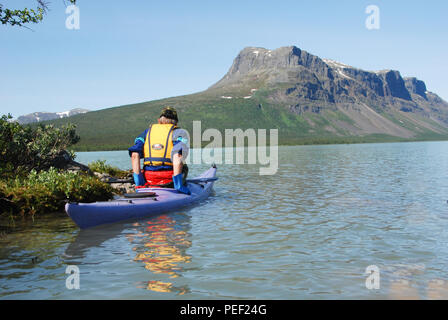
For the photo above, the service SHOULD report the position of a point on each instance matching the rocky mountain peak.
(45, 116)
(416, 86)
(394, 85)
(306, 83)
(255, 60)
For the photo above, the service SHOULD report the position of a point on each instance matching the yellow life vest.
(158, 145)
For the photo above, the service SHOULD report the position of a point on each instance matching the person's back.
(163, 148)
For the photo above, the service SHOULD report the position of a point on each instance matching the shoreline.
(335, 143)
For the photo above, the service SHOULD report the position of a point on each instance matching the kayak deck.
(87, 215)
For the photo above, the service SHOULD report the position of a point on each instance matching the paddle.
(202, 180)
(196, 180)
(115, 180)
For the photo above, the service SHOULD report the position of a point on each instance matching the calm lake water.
(308, 232)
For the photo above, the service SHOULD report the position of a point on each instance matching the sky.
(140, 50)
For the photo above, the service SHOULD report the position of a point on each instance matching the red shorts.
(157, 178)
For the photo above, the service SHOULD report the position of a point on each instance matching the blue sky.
(134, 51)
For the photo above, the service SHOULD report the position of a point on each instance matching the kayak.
(159, 200)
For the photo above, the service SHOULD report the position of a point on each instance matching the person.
(163, 148)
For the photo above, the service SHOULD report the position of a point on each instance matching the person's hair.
(164, 120)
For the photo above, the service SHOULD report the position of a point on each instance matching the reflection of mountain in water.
(161, 245)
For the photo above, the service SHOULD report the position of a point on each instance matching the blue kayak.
(87, 215)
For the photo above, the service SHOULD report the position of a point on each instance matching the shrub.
(48, 191)
(100, 166)
(23, 148)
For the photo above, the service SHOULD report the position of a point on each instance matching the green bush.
(100, 166)
(48, 191)
(28, 182)
(24, 148)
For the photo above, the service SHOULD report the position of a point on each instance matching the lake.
(308, 232)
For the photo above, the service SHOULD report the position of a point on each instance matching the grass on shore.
(48, 191)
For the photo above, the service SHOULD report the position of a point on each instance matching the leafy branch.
(21, 17)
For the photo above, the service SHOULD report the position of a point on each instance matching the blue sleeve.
(180, 138)
(139, 144)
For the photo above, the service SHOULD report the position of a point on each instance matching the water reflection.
(91, 238)
(161, 244)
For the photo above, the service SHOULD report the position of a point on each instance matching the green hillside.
(116, 128)
(308, 99)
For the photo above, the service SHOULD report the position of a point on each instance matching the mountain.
(44, 116)
(381, 102)
(309, 99)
